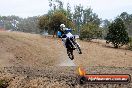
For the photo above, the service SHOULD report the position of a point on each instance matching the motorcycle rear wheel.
(70, 54)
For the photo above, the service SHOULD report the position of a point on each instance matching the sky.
(106, 9)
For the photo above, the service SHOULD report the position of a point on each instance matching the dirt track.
(57, 77)
(36, 50)
(36, 61)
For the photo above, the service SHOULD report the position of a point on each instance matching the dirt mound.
(24, 49)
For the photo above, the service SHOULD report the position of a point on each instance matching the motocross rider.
(64, 33)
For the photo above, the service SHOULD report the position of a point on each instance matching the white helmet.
(62, 26)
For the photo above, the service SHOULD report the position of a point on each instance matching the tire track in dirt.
(64, 60)
(67, 62)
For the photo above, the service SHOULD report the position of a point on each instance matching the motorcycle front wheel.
(78, 48)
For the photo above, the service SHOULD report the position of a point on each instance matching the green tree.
(57, 19)
(90, 31)
(43, 23)
(55, 4)
(117, 33)
(130, 43)
(80, 17)
(83, 17)
(77, 17)
(105, 24)
(89, 16)
(9, 22)
(60, 4)
(52, 23)
(28, 25)
(69, 14)
(127, 18)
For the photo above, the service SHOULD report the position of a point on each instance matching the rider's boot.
(80, 52)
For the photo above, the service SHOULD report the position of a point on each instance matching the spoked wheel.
(70, 54)
(78, 48)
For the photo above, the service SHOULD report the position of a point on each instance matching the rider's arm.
(59, 34)
(68, 30)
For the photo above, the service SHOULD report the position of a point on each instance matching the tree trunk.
(54, 33)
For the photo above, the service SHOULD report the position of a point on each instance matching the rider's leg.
(64, 42)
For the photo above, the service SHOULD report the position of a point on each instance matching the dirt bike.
(71, 44)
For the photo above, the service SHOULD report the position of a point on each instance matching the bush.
(86, 35)
(3, 84)
(90, 31)
(117, 33)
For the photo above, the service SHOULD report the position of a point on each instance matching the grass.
(3, 84)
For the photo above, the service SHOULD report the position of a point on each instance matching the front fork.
(75, 43)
